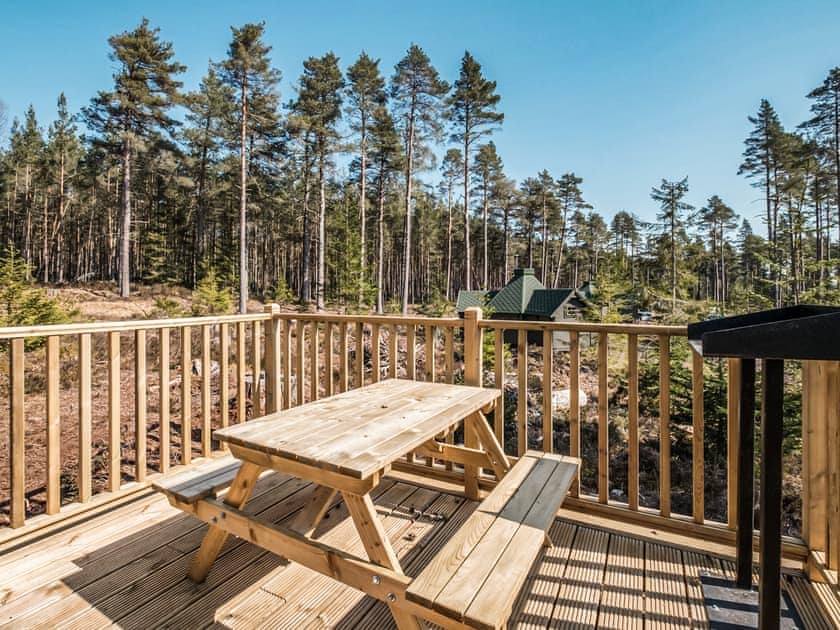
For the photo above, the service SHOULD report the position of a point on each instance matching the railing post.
(472, 347)
(17, 432)
(273, 381)
(733, 407)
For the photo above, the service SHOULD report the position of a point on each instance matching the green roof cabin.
(526, 298)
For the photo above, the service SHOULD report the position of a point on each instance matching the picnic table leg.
(501, 464)
(470, 470)
(236, 496)
(378, 547)
(307, 519)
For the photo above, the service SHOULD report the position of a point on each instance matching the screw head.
(392, 597)
(376, 579)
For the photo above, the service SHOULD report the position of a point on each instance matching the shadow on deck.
(127, 567)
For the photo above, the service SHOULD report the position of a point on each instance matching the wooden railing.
(213, 361)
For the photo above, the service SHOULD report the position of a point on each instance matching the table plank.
(359, 432)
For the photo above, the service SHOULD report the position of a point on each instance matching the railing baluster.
(140, 426)
(574, 404)
(163, 399)
(603, 421)
(343, 384)
(241, 369)
(410, 361)
(374, 352)
(17, 433)
(665, 425)
(429, 332)
(329, 343)
(84, 475)
(287, 364)
(697, 440)
(499, 411)
(449, 357)
(359, 365)
(314, 369)
(392, 350)
(522, 392)
(733, 406)
(633, 421)
(300, 365)
(224, 375)
(186, 395)
(54, 425)
(206, 408)
(256, 371)
(548, 376)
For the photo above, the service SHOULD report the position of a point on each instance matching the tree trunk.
(380, 254)
(306, 254)
(125, 238)
(486, 248)
(362, 214)
(243, 203)
(408, 173)
(322, 233)
(449, 244)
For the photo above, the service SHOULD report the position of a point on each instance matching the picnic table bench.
(345, 444)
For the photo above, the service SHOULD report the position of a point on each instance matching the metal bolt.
(224, 514)
(376, 579)
(392, 597)
(214, 519)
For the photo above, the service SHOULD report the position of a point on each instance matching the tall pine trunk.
(125, 237)
(243, 201)
(380, 254)
(322, 234)
(362, 214)
(449, 244)
(407, 246)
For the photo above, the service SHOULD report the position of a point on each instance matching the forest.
(370, 189)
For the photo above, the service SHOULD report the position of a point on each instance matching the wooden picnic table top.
(357, 433)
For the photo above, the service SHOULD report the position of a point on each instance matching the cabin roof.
(523, 295)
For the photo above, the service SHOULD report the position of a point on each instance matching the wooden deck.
(126, 567)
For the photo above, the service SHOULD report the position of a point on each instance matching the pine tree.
(365, 92)
(416, 90)
(472, 110)
(826, 124)
(569, 199)
(672, 209)
(762, 159)
(386, 160)
(452, 171)
(487, 173)
(718, 219)
(145, 88)
(248, 71)
(63, 154)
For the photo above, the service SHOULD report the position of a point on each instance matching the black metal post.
(746, 422)
(770, 511)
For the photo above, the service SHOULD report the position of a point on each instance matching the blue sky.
(622, 93)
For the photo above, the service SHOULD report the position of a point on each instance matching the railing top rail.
(447, 322)
(17, 332)
(637, 329)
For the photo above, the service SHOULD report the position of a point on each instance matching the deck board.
(127, 567)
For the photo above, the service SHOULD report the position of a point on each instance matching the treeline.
(336, 195)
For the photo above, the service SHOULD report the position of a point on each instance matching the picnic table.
(345, 444)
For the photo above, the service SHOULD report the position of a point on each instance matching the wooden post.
(665, 426)
(733, 406)
(53, 425)
(85, 424)
(206, 409)
(698, 438)
(256, 387)
(770, 511)
(186, 395)
(163, 409)
(472, 347)
(17, 507)
(522, 392)
(140, 427)
(746, 420)
(114, 441)
(574, 404)
(273, 384)
(603, 421)
(548, 376)
(633, 421)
